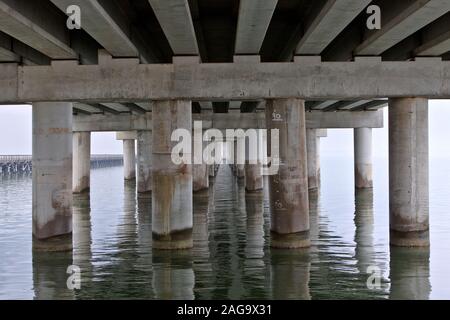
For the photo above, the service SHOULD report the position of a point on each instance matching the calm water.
(231, 257)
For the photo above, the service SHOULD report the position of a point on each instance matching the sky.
(15, 134)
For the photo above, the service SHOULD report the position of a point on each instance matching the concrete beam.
(253, 22)
(100, 25)
(111, 122)
(435, 38)
(344, 119)
(174, 16)
(331, 20)
(314, 120)
(36, 26)
(8, 56)
(412, 18)
(127, 80)
(126, 135)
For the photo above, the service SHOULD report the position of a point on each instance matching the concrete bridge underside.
(153, 66)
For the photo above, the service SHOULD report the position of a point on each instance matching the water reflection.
(231, 258)
(290, 270)
(364, 228)
(173, 275)
(82, 239)
(410, 273)
(50, 275)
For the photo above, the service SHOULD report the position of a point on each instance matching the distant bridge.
(23, 164)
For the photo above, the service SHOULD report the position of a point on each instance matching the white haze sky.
(15, 134)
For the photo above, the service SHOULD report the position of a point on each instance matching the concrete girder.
(331, 20)
(174, 16)
(25, 21)
(253, 22)
(101, 26)
(435, 38)
(111, 122)
(412, 18)
(314, 120)
(126, 80)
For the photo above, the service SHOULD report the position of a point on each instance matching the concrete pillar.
(253, 166)
(363, 157)
(200, 172)
(172, 194)
(52, 176)
(144, 154)
(239, 157)
(289, 187)
(313, 154)
(81, 162)
(212, 170)
(253, 177)
(129, 159)
(408, 172)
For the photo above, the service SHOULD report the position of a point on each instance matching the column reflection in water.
(173, 275)
(256, 276)
(203, 203)
(50, 275)
(290, 273)
(364, 228)
(410, 273)
(144, 242)
(82, 240)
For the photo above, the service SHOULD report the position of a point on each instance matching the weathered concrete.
(239, 157)
(314, 120)
(200, 176)
(415, 15)
(363, 157)
(253, 22)
(129, 159)
(175, 19)
(253, 177)
(289, 188)
(81, 162)
(127, 80)
(144, 157)
(112, 122)
(172, 204)
(313, 156)
(408, 172)
(35, 25)
(329, 22)
(200, 172)
(253, 165)
(99, 24)
(52, 176)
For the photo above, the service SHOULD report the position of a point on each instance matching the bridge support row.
(172, 216)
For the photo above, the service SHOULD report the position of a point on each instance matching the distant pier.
(14, 164)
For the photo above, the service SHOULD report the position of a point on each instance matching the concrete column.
(172, 194)
(313, 154)
(212, 170)
(144, 154)
(408, 172)
(129, 159)
(52, 176)
(253, 168)
(289, 187)
(200, 171)
(81, 162)
(239, 157)
(363, 157)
